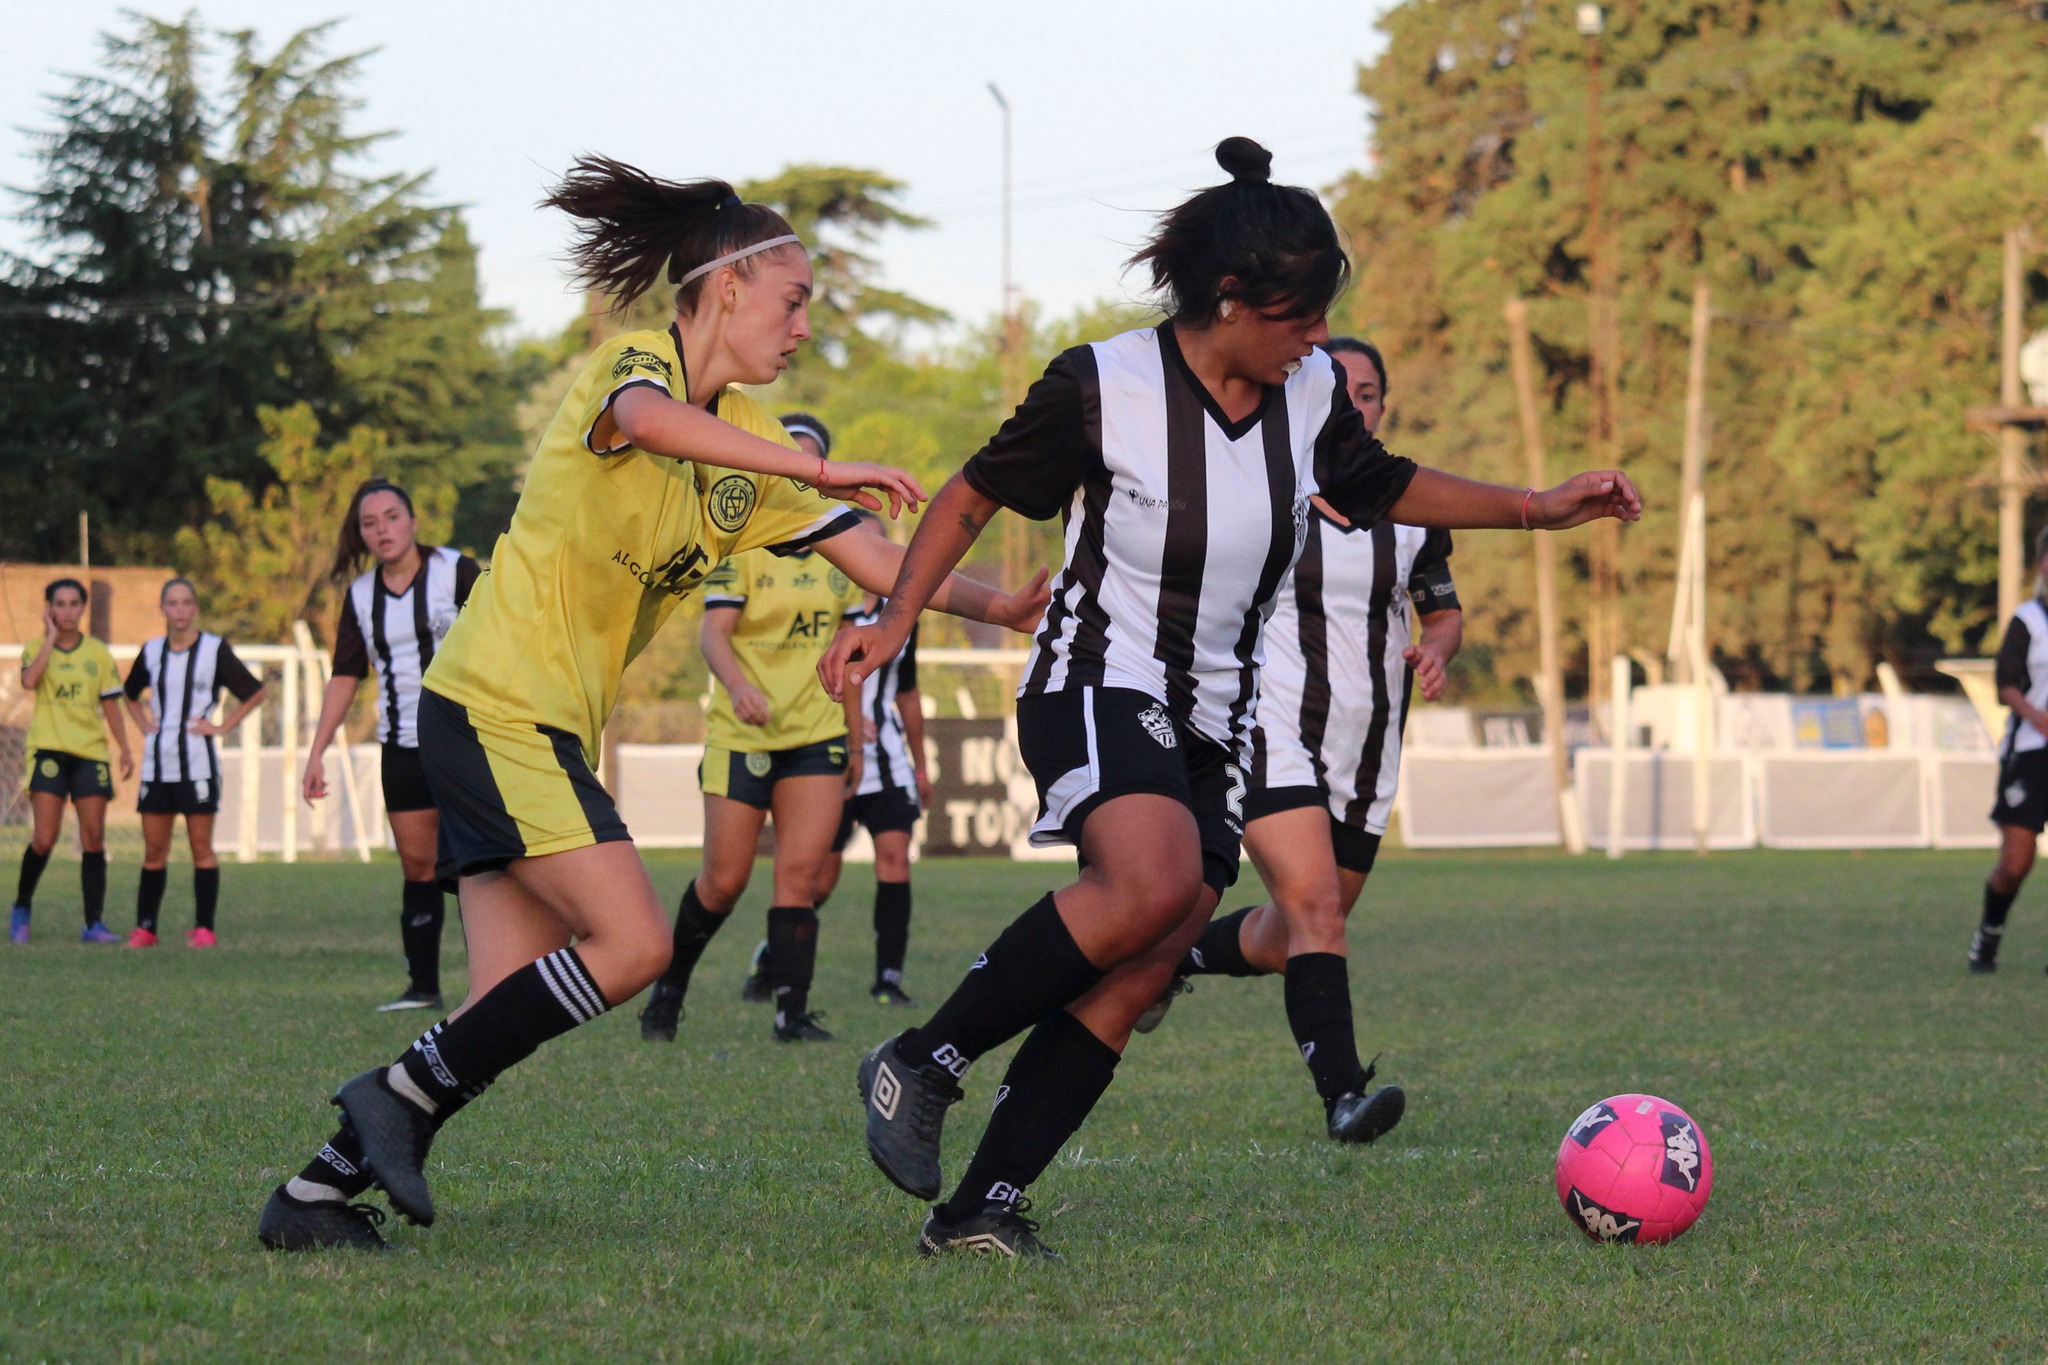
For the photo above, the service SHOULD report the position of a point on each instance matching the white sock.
(405, 1088)
(308, 1192)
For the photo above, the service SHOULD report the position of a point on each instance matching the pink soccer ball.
(1634, 1168)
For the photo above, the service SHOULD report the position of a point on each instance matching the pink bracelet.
(1527, 493)
(821, 482)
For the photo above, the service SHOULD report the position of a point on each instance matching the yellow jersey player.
(654, 468)
(772, 741)
(75, 684)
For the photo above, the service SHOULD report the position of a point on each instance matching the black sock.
(695, 927)
(454, 1060)
(1319, 1011)
(1053, 1082)
(1997, 905)
(419, 929)
(32, 865)
(1032, 969)
(149, 897)
(892, 931)
(340, 1164)
(1219, 951)
(92, 885)
(205, 896)
(792, 957)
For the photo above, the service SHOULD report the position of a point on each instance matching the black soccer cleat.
(661, 1014)
(1361, 1118)
(998, 1230)
(395, 1135)
(290, 1224)
(892, 994)
(757, 989)
(414, 1000)
(906, 1113)
(1155, 1013)
(804, 1028)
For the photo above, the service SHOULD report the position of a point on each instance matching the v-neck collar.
(410, 583)
(675, 335)
(1169, 343)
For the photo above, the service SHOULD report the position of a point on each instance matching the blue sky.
(1116, 106)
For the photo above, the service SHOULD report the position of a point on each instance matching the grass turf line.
(1876, 1117)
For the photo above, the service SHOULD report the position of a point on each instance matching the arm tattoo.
(970, 525)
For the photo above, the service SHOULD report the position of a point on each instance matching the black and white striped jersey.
(1180, 524)
(2023, 664)
(885, 762)
(183, 685)
(1334, 693)
(396, 633)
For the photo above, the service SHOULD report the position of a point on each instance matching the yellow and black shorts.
(72, 776)
(750, 778)
(508, 790)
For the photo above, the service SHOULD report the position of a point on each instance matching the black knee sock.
(792, 957)
(1319, 1011)
(205, 896)
(1997, 905)
(1052, 1084)
(32, 865)
(419, 929)
(695, 927)
(92, 886)
(1031, 970)
(454, 1060)
(339, 1165)
(1219, 951)
(149, 897)
(892, 931)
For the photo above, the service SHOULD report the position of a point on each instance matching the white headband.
(729, 257)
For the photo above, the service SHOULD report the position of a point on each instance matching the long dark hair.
(1338, 345)
(1275, 241)
(352, 549)
(632, 228)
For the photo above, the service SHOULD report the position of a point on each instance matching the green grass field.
(1877, 1117)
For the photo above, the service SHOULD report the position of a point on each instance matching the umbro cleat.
(201, 937)
(802, 1029)
(97, 933)
(17, 925)
(661, 1014)
(414, 1000)
(906, 1116)
(757, 989)
(1984, 952)
(395, 1135)
(998, 1230)
(1155, 1013)
(1361, 1118)
(139, 937)
(892, 994)
(290, 1224)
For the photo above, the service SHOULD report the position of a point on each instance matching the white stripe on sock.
(579, 980)
(572, 1007)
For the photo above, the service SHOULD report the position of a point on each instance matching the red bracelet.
(1527, 493)
(821, 479)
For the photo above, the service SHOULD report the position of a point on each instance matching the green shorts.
(750, 778)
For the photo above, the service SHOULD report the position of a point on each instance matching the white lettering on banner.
(978, 761)
(981, 824)
(958, 816)
(988, 824)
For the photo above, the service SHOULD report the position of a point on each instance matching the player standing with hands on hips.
(2021, 809)
(1182, 458)
(76, 686)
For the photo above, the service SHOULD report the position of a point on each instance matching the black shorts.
(750, 778)
(1357, 849)
(56, 773)
(891, 810)
(405, 781)
(2023, 791)
(200, 797)
(508, 790)
(1086, 745)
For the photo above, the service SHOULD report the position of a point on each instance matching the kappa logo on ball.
(731, 502)
(1587, 1126)
(1605, 1224)
(1159, 725)
(1681, 1152)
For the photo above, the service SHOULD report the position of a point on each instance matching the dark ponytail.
(1275, 241)
(352, 549)
(633, 229)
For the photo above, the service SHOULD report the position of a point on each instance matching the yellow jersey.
(604, 543)
(68, 698)
(790, 608)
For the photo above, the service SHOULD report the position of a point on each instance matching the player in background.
(1182, 457)
(393, 617)
(888, 788)
(773, 741)
(2021, 808)
(75, 683)
(1341, 659)
(183, 671)
(655, 467)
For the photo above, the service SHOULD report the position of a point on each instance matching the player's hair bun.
(1246, 160)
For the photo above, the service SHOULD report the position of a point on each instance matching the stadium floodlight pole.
(2012, 440)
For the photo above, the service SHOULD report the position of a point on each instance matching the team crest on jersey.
(1159, 725)
(759, 764)
(633, 358)
(1300, 518)
(838, 582)
(441, 624)
(731, 502)
(803, 580)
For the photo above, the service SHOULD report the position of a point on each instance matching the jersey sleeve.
(234, 675)
(793, 516)
(725, 586)
(906, 671)
(1036, 460)
(2011, 670)
(30, 649)
(624, 364)
(138, 677)
(1354, 472)
(351, 651)
(1429, 579)
(467, 572)
(112, 670)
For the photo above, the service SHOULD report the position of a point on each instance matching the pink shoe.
(200, 938)
(141, 938)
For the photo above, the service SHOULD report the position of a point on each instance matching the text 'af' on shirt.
(2023, 664)
(67, 718)
(395, 634)
(789, 609)
(1180, 523)
(885, 763)
(183, 686)
(606, 540)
